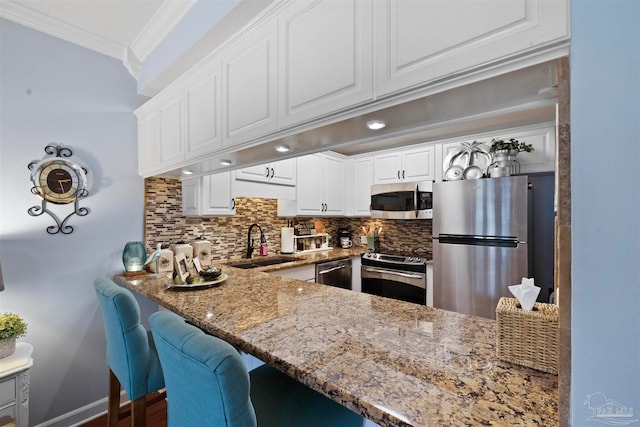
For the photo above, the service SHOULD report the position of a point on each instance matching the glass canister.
(133, 257)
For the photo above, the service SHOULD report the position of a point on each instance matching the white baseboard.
(83, 414)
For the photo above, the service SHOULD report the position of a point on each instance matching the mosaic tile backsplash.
(164, 223)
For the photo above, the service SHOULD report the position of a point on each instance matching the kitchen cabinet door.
(362, 169)
(191, 196)
(543, 156)
(203, 117)
(249, 85)
(418, 164)
(387, 168)
(418, 42)
(404, 166)
(210, 195)
(325, 56)
(282, 172)
(320, 185)
(171, 131)
(542, 137)
(148, 143)
(334, 185)
(217, 195)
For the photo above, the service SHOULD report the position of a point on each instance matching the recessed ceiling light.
(376, 124)
(187, 172)
(225, 162)
(282, 148)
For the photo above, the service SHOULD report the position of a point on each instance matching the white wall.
(605, 181)
(52, 91)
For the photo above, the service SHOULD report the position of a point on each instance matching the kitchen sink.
(261, 262)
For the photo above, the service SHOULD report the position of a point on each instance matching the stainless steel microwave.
(402, 200)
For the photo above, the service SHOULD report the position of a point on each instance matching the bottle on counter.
(263, 245)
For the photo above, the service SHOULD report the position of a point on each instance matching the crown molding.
(24, 15)
(162, 22)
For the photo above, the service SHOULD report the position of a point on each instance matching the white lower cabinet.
(210, 195)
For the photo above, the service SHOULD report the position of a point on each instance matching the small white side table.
(14, 387)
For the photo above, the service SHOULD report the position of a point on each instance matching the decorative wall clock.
(61, 181)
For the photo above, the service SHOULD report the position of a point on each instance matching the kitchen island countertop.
(396, 363)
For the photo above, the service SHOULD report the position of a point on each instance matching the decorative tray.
(199, 285)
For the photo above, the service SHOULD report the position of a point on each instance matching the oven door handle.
(397, 273)
(329, 270)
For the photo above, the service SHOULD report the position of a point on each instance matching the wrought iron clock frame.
(71, 186)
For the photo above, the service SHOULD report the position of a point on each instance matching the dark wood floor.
(156, 416)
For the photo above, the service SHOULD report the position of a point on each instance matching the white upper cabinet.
(282, 172)
(418, 42)
(172, 131)
(320, 187)
(325, 58)
(542, 137)
(249, 85)
(203, 101)
(361, 169)
(407, 165)
(210, 195)
(148, 143)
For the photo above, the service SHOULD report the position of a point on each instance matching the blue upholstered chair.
(208, 385)
(131, 355)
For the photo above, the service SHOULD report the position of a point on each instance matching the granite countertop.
(396, 363)
(304, 258)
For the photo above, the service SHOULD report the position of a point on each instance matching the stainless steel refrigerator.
(479, 242)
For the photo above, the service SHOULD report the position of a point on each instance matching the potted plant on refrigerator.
(11, 327)
(504, 154)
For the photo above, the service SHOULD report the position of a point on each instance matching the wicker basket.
(528, 338)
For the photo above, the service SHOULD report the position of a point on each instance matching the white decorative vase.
(7, 347)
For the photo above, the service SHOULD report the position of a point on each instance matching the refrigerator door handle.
(455, 239)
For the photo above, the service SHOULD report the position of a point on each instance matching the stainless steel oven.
(392, 276)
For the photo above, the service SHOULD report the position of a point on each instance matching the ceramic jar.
(202, 250)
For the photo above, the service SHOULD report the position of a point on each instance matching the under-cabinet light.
(282, 148)
(376, 124)
(187, 172)
(225, 162)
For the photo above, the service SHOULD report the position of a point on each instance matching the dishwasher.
(334, 273)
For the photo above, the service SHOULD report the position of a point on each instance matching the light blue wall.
(53, 91)
(605, 181)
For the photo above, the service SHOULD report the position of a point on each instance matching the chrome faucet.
(250, 246)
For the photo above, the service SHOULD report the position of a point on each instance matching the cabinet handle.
(403, 174)
(233, 203)
(266, 169)
(398, 174)
(272, 172)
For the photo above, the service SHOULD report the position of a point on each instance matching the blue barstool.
(208, 385)
(131, 354)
